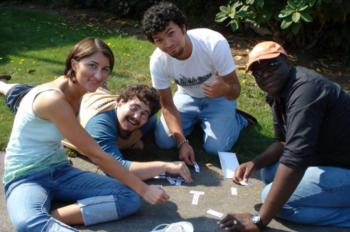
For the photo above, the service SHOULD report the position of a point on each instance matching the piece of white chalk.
(196, 195)
(195, 199)
(178, 181)
(234, 191)
(171, 180)
(215, 213)
(197, 192)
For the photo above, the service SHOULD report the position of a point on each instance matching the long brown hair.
(85, 48)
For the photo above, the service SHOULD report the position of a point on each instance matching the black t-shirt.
(312, 116)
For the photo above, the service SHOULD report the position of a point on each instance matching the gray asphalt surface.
(217, 196)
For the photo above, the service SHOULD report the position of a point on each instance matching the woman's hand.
(155, 195)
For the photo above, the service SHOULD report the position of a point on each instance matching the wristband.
(182, 143)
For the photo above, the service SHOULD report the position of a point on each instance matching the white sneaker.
(182, 226)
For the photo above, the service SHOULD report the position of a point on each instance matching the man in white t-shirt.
(201, 64)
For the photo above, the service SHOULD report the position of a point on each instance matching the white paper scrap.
(215, 213)
(234, 191)
(171, 180)
(178, 181)
(196, 168)
(229, 163)
(196, 195)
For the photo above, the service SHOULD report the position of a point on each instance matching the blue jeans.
(321, 198)
(150, 124)
(219, 121)
(100, 198)
(14, 96)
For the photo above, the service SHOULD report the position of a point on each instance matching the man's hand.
(238, 222)
(186, 154)
(243, 172)
(179, 168)
(155, 195)
(217, 88)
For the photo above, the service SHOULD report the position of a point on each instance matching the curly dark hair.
(148, 95)
(157, 18)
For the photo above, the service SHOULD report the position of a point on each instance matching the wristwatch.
(256, 219)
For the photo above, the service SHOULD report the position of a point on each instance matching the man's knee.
(162, 138)
(214, 146)
(164, 143)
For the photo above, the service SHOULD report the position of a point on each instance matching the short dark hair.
(85, 48)
(158, 17)
(148, 95)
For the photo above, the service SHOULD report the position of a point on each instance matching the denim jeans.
(150, 124)
(14, 96)
(219, 121)
(321, 198)
(100, 198)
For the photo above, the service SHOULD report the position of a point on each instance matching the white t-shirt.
(210, 52)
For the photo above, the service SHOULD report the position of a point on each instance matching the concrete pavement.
(217, 196)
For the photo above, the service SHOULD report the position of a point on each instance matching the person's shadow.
(151, 216)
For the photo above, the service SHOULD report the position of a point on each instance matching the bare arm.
(267, 158)
(54, 107)
(173, 121)
(283, 186)
(270, 155)
(226, 86)
(147, 170)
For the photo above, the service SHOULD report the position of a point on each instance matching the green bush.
(303, 22)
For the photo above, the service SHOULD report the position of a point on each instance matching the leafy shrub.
(303, 22)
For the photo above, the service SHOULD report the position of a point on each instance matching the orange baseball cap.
(264, 51)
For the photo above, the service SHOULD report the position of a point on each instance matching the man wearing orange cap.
(307, 170)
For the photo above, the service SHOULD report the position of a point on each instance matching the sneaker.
(181, 226)
(250, 118)
(5, 77)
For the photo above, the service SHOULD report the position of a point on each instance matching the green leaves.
(238, 12)
(291, 19)
(296, 17)
(295, 13)
(306, 17)
(286, 23)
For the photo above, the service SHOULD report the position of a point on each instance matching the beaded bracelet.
(182, 143)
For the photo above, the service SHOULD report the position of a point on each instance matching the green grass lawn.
(33, 48)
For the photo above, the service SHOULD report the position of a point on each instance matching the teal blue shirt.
(35, 143)
(103, 127)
